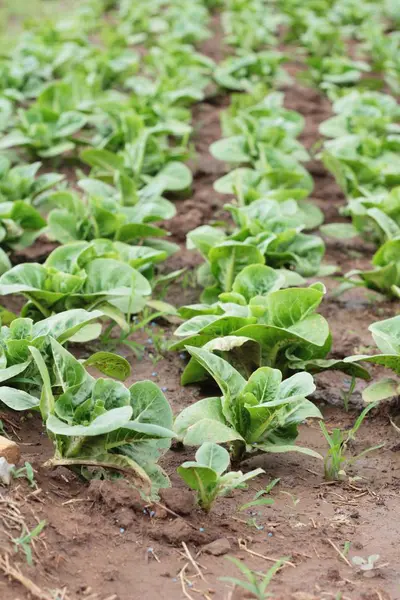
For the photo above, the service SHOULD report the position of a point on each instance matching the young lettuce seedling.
(205, 475)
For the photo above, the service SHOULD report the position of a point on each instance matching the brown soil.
(101, 542)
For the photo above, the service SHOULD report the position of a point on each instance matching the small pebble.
(182, 356)
(121, 530)
(150, 550)
(154, 374)
(270, 534)
(201, 529)
(164, 389)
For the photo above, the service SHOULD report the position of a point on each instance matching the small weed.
(347, 394)
(346, 548)
(159, 342)
(2, 430)
(27, 472)
(257, 500)
(336, 460)
(255, 583)
(24, 542)
(293, 498)
(110, 342)
(189, 280)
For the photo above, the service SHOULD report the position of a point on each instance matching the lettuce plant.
(363, 165)
(376, 217)
(130, 179)
(363, 113)
(241, 73)
(382, 48)
(100, 424)
(282, 181)
(256, 136)
(20, 224)
(266, 108)
(206, 474)
(384, 278)
(22, 182)
(260, 325)
(386, 336)
(91, 274)
(331, 73)
(99, 215)
(44, 132)
(276, 216)
(260, 414)
(227, 256)
(20, 380)
(250, 126)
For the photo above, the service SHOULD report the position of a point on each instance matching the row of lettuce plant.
(361, 145)
(247, 329)
(253, 332)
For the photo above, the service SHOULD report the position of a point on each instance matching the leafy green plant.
(257, 324)
(384, 278)
(362, 112)
(206, 474)
(260, 414)
(226, 255)
(100, 216)
(100, 424)
(386, 335)
(250, 25)
(376, 217)
(22, 182)
(20, 224)
(255, 583)
(366, 564)
(330, 73)
(44, 132)
(281, 180)
(241, 73)
(20, 381)
(251, 128)
(337, 460)
(85, 274)
(363, 164)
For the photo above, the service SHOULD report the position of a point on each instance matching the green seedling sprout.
(336, 458)
(24, 542)
(258, 500)
(27, 472)
(255, 583)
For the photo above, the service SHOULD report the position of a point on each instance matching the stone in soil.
(218, 547)
(9, 450)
